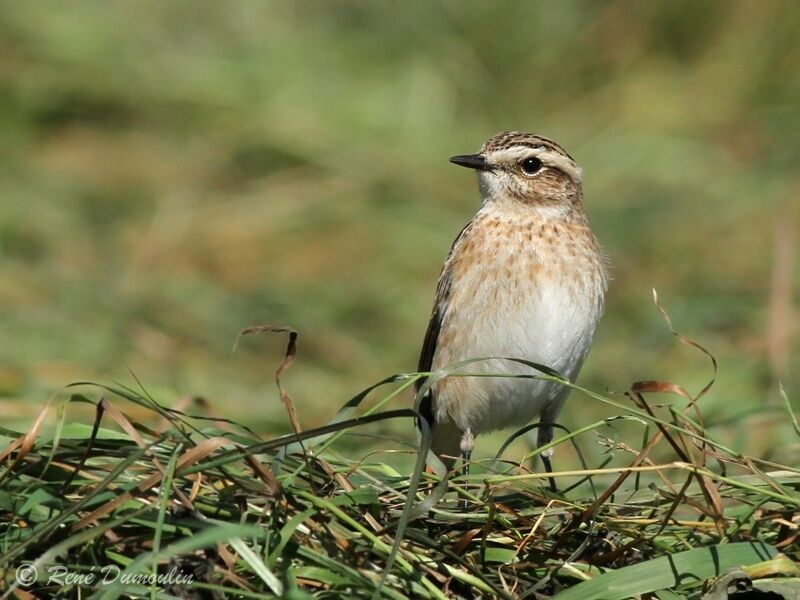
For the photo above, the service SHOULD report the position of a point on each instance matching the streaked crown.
(509, 139)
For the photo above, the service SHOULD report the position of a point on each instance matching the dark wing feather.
(434, 327)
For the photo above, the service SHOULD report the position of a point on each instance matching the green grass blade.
(669, 572)
(789, 409)
(166, 489)
(258, 566)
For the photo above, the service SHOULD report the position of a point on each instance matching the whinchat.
(524, 279)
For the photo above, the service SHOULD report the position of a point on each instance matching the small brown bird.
(524, 279)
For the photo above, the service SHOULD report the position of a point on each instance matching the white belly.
(550, 328)
(519, 304)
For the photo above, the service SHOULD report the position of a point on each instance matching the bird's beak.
(471, 161)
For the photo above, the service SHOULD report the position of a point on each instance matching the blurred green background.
(175, 172)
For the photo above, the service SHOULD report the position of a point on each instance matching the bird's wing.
(434, 326)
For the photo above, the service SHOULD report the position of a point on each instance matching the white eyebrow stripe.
(547, 156)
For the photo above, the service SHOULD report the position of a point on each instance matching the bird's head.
(527, 168)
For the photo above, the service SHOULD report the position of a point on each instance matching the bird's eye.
(531, 165)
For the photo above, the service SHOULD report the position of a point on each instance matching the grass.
(185, 493)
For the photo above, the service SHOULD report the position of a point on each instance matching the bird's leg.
(545, 437)
(548, 467)
(467, 444)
